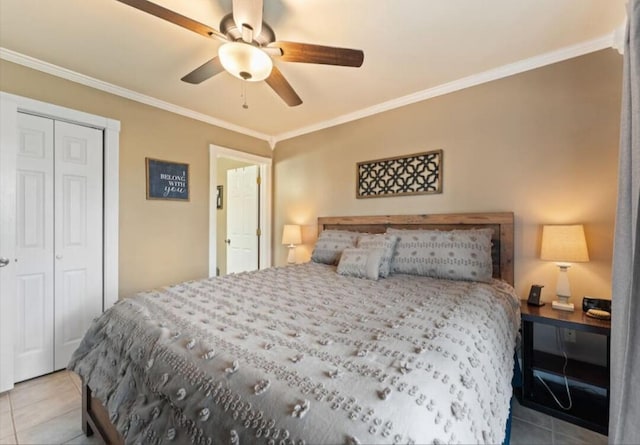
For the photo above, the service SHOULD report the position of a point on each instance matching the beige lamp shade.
(564, 243)
(291, 234)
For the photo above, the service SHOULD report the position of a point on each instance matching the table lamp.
(564, 244)
(291, 235)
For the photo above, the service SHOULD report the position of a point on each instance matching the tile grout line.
(13, 423)
(74, 382)
(51, 420)
(73, 438)
(47, 420)
(535, 424)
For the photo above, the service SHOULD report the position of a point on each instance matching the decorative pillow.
(330, 245)
(384, 241)
(456, 254)
(360, 263)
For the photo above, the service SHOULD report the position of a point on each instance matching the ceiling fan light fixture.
(245, 61)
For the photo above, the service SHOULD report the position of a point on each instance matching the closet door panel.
(33, 343)
(78, 235)
(74, 291)
(32, 295)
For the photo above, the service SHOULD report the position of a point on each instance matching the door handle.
(4, 262)
(228, 241)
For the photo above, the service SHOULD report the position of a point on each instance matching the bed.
(302, 354)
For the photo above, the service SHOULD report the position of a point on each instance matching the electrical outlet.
(570, 335)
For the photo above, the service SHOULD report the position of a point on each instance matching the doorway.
(247, 202)
(11, 107)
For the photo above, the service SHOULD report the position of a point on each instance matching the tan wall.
(161, 242)
(542, 144)
(222, 165)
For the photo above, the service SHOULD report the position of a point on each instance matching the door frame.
(264, 166)
(11, 104)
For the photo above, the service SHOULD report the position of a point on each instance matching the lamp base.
(562, 306)
(291, 258)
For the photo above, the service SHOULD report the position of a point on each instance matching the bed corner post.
(95, 419)
(86, 395)
(507, 250)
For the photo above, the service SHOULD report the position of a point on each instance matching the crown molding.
(511, 69)
(619, 35)
(64, 73)
(606, 41)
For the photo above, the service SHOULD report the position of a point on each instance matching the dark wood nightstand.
(590, 409)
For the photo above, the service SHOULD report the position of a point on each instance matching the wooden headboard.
(501, 223)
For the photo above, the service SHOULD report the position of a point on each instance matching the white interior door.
(8, 149)
(242, 219)
(21, 178)
(33, 343)
(78, 235)
(58, 270)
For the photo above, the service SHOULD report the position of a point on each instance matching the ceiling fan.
(249, 44)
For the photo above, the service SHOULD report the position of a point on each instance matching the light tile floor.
(532, 427)
(46, 410)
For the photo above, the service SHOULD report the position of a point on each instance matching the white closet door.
(33, 347)
(242, 219)
(78, 235)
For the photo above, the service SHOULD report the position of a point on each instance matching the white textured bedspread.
(301, 354)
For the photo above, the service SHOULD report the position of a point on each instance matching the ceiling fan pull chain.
(244, 94)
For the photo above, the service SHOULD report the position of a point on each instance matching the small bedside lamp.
(564, 244)
(291, 235)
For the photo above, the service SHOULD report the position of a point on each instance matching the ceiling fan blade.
(282, 88)
(204, 72)
(175, 18)
(248, 13)
(326, 55)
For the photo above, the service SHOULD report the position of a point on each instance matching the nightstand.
(590, 408)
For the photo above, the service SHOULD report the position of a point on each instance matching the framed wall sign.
(167, 180)
(416, 174)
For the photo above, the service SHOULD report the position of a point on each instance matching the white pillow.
(384, 241)
(330, 245)
(360, 263)
(455, 254)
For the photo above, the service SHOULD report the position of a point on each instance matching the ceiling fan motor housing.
(228, 27)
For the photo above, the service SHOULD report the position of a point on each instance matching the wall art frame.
(167, 180)
(413, 174)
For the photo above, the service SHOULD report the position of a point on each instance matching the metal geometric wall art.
(416, 174)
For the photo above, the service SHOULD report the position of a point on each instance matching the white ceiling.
(413, 49)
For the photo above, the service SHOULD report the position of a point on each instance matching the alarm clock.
(534, 295)
(596, 303)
